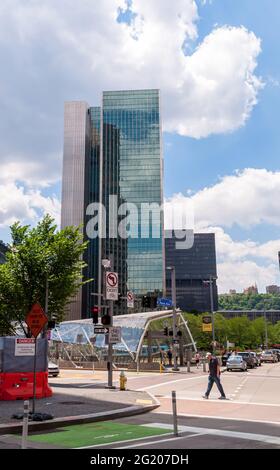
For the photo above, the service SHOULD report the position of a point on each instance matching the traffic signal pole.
(110, 349)
(174, 317)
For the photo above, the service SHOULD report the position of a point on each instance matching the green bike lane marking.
(105, 432)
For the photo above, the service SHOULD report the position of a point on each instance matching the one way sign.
(100, 330)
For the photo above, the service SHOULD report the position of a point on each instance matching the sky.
(217, 65)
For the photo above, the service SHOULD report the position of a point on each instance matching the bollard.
(189, 366)
(204, 365)
(174, 407)
(123, 380)
(25, 424)
(161, 368)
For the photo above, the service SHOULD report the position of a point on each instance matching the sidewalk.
(72, 405)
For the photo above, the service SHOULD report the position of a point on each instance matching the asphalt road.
(249, 419)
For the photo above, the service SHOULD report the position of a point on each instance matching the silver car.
(268, 356)
(236, 363)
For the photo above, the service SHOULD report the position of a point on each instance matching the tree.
(37, 257)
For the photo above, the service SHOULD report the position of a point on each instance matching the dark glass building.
(3, 251)
(115, 151)
(194, 268)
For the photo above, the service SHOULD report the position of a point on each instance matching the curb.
(80, 419)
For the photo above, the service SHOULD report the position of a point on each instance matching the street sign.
(115, 334)
(100, 330)
(25, 347)
(130, 299)
(164, 302)
(112, 285)
(207, 323)
(36, 319)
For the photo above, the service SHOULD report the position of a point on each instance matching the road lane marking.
(224, 418)
(120, 442)
(223, 433)
(171, 382)
(162, 440)
(215, 400)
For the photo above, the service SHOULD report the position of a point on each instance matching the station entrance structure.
(142, 338)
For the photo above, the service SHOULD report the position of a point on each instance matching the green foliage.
(249, 301)
(38, 255)
(246, 334)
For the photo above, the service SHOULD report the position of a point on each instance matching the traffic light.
(94, 311)
(106, 320)
(153, 302)
(166, 330)
(146, 301)
(179, 333)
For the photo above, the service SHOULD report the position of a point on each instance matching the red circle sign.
(112, 279)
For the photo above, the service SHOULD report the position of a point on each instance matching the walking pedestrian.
(197, 359)
(169, 355)
(214, 376)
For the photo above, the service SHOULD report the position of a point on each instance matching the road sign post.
(130, 299)
(35, 320)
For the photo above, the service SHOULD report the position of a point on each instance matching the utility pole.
(265, 326)
(174, 316)
(212, 312)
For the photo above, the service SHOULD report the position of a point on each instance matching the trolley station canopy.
(133, 329)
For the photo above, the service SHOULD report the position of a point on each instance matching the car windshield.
(235, 359)
(267, 352)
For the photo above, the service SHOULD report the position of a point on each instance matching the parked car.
(257, 359)
(235, 362)
(225, 358)
(268, 356)
(277, 352)
(247, 356)
(53, 369)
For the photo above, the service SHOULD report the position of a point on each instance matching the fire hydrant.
(123, 380)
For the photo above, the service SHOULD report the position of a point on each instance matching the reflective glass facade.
(117, 145)
(132, 153)
(192, 267)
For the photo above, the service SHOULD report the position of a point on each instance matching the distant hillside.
(250, 302)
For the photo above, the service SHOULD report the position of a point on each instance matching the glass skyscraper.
(124, 160)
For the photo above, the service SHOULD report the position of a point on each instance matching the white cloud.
(242, 274)
(55, 51)
(27, 206)
(248, 198)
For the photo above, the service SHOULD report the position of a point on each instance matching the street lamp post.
(174, 316)
(212, 312)
(265, 326)
(210, 282)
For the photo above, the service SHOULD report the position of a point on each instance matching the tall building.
(194, 268)
(113, 152)
(273, 290)
(3, 251)
(251, 290)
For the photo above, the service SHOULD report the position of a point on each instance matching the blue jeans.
(211, 380)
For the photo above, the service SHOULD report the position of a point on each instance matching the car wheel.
(228, 370)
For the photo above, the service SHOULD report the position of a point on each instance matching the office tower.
(194, 268)
(3, 251)
(115, 151)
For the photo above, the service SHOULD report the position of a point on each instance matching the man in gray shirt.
(214, 376)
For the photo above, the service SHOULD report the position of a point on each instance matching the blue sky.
(220, 109)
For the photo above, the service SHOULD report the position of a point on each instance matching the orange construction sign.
(36, 319)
